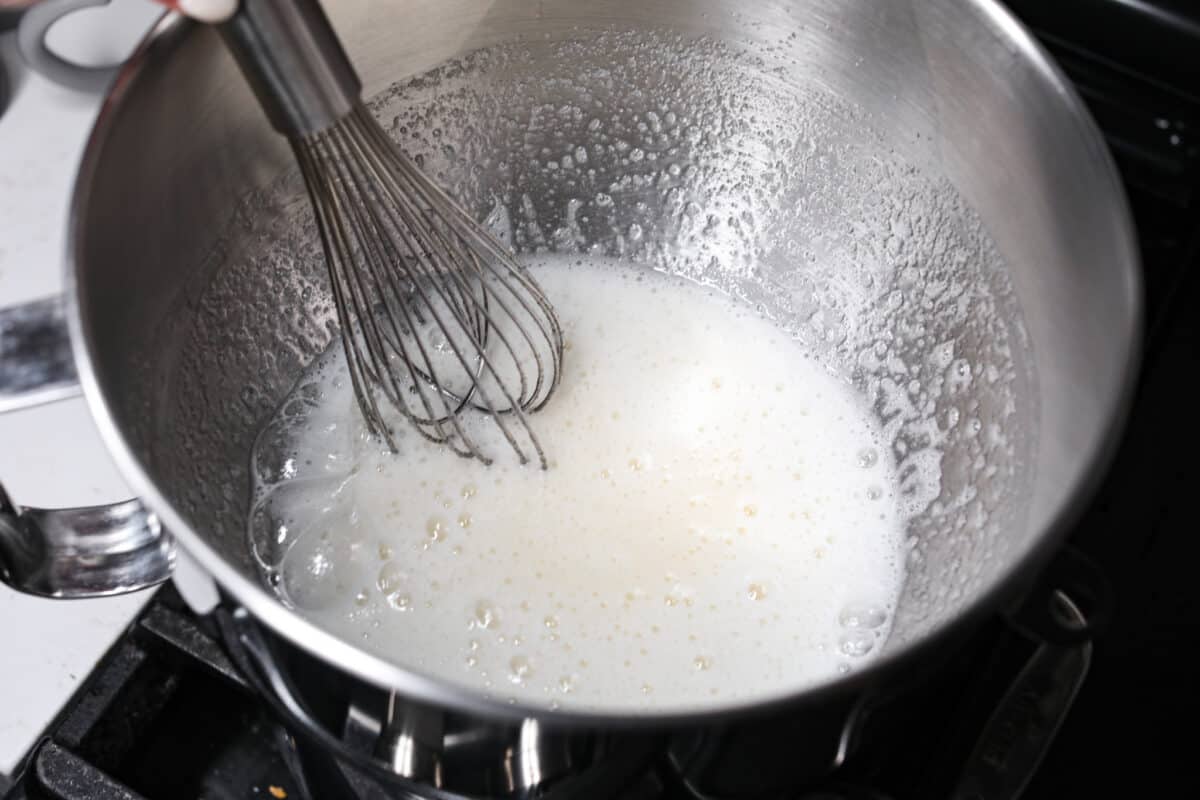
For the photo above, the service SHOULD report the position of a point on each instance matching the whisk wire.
(332, 239)
(429, 270)
(370, 296)
(452, 301)
(426, 274)
(348, 284)
(412, 274)
(511, 271)
(456, 251)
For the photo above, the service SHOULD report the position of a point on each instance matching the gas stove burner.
(840, 791)
(609, 769)
(450, 757)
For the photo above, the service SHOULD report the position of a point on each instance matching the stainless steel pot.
(925, 145)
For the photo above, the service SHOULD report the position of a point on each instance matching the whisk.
(437, 318)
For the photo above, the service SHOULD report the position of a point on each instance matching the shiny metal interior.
(908, 187)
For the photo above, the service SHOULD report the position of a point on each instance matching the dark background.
(1137, 64)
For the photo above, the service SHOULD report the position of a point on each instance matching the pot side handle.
(93, 551)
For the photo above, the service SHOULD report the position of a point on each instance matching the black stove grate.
(164, 716)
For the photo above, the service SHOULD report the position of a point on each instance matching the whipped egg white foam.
(720, 518)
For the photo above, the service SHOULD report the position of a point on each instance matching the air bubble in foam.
(856, 643)
(863, 616)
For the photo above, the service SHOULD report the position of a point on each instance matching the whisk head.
(439, 322)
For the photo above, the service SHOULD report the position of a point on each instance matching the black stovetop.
(1137, 64)
(165, 717)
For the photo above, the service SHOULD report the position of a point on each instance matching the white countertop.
(51, 455)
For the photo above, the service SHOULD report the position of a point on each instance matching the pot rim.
(307, 635)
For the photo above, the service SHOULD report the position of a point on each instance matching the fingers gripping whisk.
(440, 325)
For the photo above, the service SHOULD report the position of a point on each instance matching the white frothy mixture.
(719, 521)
